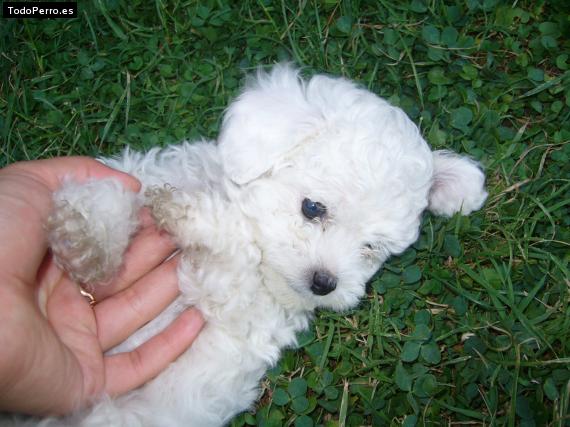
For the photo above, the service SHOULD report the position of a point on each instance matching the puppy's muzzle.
(323, 283)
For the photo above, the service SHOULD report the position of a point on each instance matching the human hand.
(52, 341)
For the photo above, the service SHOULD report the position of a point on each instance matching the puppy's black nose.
(323, 283)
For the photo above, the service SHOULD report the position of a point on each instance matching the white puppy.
(310, 187)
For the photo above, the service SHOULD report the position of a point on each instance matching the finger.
(48, 277)
(145, 217)
(122, 314)
(26, 201)
(127, 371)
(148, 250)
(52, 171)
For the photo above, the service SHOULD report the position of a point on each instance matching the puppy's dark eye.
(313, 210)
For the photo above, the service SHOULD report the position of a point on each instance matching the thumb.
(26, 191)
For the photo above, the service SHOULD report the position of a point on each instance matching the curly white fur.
(250, 256)
(90, 224)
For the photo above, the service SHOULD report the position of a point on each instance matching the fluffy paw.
(164, 208)
(192, 219)
(75, 248)
(90, 228)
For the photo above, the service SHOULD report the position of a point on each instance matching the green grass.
(470, 326)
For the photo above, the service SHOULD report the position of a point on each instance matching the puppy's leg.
(198, 219)
(90, 228)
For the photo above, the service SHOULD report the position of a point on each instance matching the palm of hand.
(54, 340)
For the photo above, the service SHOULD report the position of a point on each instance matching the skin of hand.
(52, 342)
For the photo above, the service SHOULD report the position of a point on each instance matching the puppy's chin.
(343, 298)
(340, 301)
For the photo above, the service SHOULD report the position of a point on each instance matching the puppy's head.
(335, 181)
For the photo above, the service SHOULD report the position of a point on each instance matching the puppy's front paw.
(165, 209)
(90, 228)
(75, 247)
(193, 219)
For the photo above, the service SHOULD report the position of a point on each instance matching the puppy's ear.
(265, 123)
(458, 184)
